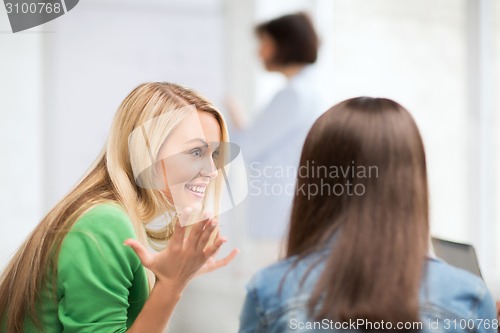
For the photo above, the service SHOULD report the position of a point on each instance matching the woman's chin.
(195, 202)
(196, 206)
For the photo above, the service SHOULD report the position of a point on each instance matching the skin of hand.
(186, 255)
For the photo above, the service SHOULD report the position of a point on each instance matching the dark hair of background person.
(376, 265)
(295, 38)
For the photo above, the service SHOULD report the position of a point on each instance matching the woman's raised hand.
(187, 254)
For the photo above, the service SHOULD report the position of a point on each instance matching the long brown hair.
(110, 179)
(381, 228)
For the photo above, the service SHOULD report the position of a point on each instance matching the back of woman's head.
(295, 39)
(362, 180)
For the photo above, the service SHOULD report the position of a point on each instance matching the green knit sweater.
(101, 284)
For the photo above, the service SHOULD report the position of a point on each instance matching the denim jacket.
(451, 300)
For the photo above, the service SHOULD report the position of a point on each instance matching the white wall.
(100, 51)
(496, 184)
(21, 135)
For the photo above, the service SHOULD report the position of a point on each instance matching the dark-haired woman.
(357, 249)
(287, 45)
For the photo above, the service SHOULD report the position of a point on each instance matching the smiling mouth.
(198, 191)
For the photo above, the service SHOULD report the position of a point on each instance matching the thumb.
(140, 250)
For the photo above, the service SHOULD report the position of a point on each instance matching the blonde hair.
(109, 179)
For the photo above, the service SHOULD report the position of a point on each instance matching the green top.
(101, 283)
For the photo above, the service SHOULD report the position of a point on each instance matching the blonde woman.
(74, 274)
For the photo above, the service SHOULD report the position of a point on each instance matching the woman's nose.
(209, 169)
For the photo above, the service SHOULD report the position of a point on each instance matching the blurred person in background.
(271, 143)
(365, 255)
(74, 274)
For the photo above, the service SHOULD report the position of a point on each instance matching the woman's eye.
(196, 152)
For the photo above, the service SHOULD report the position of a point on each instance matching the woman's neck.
(291, 70)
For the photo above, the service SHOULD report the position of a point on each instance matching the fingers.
(215, 247)
(181, 226)
(228, 259)
(140, 250)
(221, 262)
(193, 235)
(197, 230)
(206, 234)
